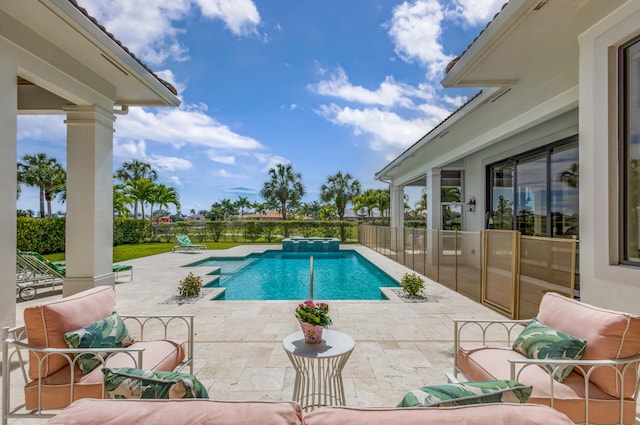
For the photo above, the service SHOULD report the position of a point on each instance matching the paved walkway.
(238, 344)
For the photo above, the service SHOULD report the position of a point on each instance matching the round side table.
(319, 368)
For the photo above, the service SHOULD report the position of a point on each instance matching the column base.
(73, 285)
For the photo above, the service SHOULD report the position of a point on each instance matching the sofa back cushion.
(182, 411)
(609, 335)
(47, 323)
(481, 414)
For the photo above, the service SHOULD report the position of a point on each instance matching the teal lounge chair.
(185, 244)
(58, 268)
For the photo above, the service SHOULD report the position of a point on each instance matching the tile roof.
(456, 59)
(82, 10)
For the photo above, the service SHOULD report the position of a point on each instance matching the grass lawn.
(129, 252)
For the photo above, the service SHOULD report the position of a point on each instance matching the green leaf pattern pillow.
(463, 393)
(124, 383)
(109, 332)
(539, 341)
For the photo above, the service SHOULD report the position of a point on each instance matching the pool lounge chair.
(185, 244)
(57, 269)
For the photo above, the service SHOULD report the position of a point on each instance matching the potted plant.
(313, 318)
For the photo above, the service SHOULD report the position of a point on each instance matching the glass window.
(564, 191)
(501, 188)
(531, 195)
(630, 126)
(536, 192)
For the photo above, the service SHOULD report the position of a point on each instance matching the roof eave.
(509, 16)
(119, 56)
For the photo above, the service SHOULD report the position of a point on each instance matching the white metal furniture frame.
(318, 368)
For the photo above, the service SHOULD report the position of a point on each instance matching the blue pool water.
(277, 275)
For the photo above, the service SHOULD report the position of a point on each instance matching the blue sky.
(328, 86)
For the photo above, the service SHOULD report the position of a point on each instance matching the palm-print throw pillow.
(463, 393)
(109, 332)
(539, 341)
(121, 383)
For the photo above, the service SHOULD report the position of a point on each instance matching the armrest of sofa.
(585, 367)
(145, 327)
(484, 332)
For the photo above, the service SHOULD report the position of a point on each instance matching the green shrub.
(412, 284)
(252, 231)
(43, 235)
(126, 231)
(190, 286)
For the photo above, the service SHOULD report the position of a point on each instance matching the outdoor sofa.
(52, 370)
(601, 387)
(210, 412)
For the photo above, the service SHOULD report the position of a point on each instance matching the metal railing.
(502, 269)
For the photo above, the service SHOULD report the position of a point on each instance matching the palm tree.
(284, 186)
(136, 170)
(571, 176)
(140, 190)
(241, 204)
(44, 173)
(120, 201)
(341, 189)
(56, 185)
(163, 196)
(228, 208)
(383, 201)
(367, 200)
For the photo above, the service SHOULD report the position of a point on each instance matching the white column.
(434, 212)
(89, 238)
(8, 112)
(397, 206)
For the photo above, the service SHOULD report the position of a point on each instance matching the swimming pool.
(277, 275)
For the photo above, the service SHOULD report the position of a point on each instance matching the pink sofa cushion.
(47, 323)
(486, 363)
(158, 355)
(609, 334)
(483, 414)
(184, 411)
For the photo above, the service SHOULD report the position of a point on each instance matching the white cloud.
(42, 127)
(174, 180)
(151, 29)
(213, 155)
(270, 161)
(476, 12)
(187, 125)
(386, 128)
(416, 29)
(169, 163)
(240, 16)
(128, 150)
(389, 93)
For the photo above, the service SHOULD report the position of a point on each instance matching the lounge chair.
(33, 273)
(41, 266)
(185, 244)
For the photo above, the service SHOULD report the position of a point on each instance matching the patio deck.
(238, 344)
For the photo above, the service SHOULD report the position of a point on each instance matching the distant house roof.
(267, 215)
(169, 86)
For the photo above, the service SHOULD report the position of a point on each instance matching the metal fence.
(501, 269)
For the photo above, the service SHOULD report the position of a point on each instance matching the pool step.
(214, 281)
(215, 271)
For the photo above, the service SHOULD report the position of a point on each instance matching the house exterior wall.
(604, 281)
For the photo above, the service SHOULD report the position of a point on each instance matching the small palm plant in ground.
(190, 286)
(412, 284)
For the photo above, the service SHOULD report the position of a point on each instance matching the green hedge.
(48, 235)
(42, 235)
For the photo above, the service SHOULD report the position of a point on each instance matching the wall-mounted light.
(471, 205)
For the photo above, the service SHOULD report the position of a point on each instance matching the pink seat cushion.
(483, 363)
(158, 355)
(609, 334)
